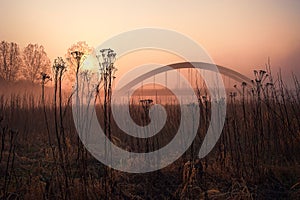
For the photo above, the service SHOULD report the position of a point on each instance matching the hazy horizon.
(237, 35)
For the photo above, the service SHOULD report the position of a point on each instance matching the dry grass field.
(257, 156)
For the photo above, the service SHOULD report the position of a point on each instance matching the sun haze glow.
(240, 35)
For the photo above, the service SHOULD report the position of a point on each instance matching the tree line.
(17, 64)
(28, 63)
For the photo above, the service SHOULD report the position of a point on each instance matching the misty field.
(257, 156)
(149, 100)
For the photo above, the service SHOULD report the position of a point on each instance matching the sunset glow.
(149, 99)
(237, 34)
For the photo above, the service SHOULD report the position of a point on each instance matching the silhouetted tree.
(35, 61)
(10, 60)
(72, 61)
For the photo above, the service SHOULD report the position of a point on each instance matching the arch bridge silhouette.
(188, 65)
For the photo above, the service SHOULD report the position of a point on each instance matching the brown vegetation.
(257, 156)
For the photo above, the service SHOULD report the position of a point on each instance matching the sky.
(240, 35)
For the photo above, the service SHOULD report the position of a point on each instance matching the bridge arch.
(186, 65)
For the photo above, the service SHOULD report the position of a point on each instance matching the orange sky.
(237, 34)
